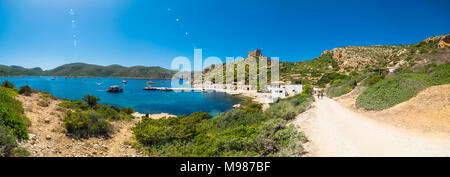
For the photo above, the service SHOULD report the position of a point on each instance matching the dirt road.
(337, 131)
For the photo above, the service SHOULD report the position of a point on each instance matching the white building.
(293, 89)
(281, 90)
(278, 93)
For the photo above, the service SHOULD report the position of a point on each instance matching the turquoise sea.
(177, 103)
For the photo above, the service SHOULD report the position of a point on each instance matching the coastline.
(143, 78)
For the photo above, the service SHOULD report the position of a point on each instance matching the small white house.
(278, 93)
(280, 90)
(293, 89)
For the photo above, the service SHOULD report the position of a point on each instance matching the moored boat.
(114, 89)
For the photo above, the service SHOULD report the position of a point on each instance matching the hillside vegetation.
(13, 124)
(239, 132)
(82, 69)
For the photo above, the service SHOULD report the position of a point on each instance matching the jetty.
(175, 89)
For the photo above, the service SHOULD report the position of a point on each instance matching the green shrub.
(392, 91)
(8, 92)
(278, 137)
(85, 125)
(11, 115)
(252, 108)
(339, 90)
(328, 77)
(159, 131)
(230, 134)
(26, 90)
(91, 100)
(112, 113)
(441, 74)
(76, 105)
(7, 142)
(287, 109)
(373, 79)
(8, 84)
(20, 152)
(127, 110)
(307, 89)
(340, 87)
(115, 108)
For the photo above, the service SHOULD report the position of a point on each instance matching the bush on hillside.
(85, 125)
(153, 131)
(91, 100)
(127, 110)
(112, 113)
(8, 92)
(233, 133)
(341, 87)
(26, 90)
(441, 74)
(11, 115)
(7, 142)
(392, 91)
(237, 117)
(252, 108)
(278, 137)
(307, 89)
(328, 77)
(8, 84)
(287, 109)
(20, 152)
(373, 79)
(76, 105)
(338, 90)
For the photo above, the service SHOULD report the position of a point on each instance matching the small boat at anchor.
(114, 89)
(124, 82)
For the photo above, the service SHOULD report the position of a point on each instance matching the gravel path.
(337, 131)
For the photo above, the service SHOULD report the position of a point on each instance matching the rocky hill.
(345, 61)
(89, 70)
(363, 59)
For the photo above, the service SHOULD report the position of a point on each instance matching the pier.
(174, 89)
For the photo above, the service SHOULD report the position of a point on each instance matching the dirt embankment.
(428, 112)
(48, 136)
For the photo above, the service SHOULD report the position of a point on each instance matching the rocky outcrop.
(444, 42)
(358, 57)
(255, 53)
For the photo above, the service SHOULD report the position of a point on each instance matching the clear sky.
(47, 33)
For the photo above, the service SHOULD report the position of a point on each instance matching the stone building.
(255, 53)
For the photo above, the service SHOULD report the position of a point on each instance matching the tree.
(91, 100)
(8, 84)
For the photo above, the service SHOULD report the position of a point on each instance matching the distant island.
(90, 70)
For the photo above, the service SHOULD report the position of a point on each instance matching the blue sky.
(147, 32)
